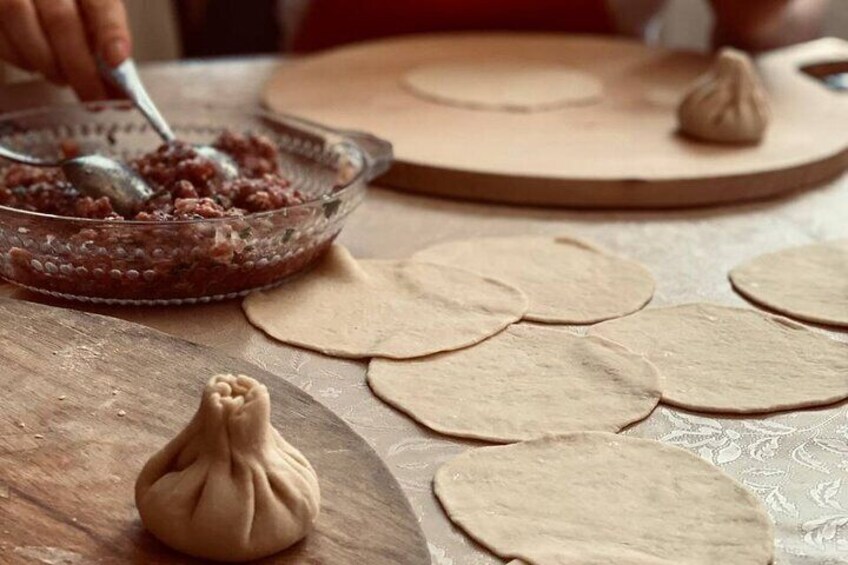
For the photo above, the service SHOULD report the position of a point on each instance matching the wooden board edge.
(633, 194)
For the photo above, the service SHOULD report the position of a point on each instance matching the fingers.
(109, 31)
(8, 53)
(64, 27)
(24, 37)
(58, 38)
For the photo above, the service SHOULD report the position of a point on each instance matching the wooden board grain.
(621, 152)
(86, 399)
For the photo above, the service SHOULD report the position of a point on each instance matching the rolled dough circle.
(375, 308)
(567, 281)
(512, 86)
(601, 498)
(808, 283)
(721, 359)
(525, 382)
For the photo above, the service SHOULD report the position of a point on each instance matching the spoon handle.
(125, 77)
(16, 157)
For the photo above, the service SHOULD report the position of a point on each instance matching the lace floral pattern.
(797, 463)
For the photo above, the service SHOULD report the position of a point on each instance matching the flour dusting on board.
(49, 555)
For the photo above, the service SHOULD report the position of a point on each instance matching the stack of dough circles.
(721, 359)
(506, 86)
(376, 308)
(567, 281)
(525, 382)
(808, 283)
(601, 498)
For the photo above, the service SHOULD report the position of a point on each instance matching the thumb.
(106, 21)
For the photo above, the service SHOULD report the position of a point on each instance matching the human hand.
(60, 38)
(759, 25)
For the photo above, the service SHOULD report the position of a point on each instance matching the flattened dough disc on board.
(511, 87)
(67, 475)
(621, 151)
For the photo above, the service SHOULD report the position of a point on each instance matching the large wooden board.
(66, 478)
(620, 152)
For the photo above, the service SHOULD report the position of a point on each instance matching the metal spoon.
(95, 176)
(126, 78)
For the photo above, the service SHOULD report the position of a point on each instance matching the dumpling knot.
(229, 487)
(728, 104)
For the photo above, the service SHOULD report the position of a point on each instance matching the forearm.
(759, 25)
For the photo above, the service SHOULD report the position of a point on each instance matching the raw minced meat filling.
(186, 185)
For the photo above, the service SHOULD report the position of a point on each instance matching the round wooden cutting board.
(621, 151)
(86, 399)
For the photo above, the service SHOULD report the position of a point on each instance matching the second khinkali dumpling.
(728, 104)
(229, 487)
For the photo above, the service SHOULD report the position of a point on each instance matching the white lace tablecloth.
(796, 462)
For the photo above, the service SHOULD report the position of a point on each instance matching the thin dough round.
(604, 499)
(721, 359)
(375, 308)
(808, 283)
(566, 280)
(525, 382)
(517, 86)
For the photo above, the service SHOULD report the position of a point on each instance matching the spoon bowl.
(96, 176)
(224, 164)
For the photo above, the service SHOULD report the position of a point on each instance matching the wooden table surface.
(91, 420)
(793, 461)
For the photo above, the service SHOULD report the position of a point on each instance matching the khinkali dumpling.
(728, 104)
(229, 487)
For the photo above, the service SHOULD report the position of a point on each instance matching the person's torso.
(327, 23)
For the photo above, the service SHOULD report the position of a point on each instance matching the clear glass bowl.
(181, 262)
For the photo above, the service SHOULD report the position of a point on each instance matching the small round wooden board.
(97, 396)
(623, 151)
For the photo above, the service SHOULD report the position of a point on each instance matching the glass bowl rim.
(357, 182)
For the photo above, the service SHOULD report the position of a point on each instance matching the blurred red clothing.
(333, 22)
